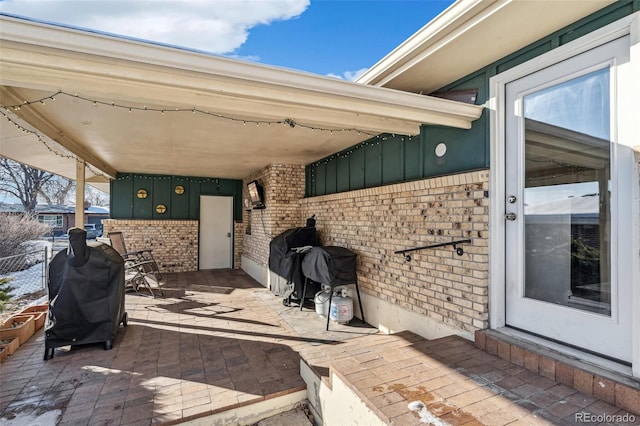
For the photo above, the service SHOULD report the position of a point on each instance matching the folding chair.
(141, 269)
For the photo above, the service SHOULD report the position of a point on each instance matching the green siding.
(598, 20)
(331, 176)
(465, 150)
(227, 186)
(161, 190)
(383, 159)
(413, 159)
(343, 174)
(320, 178)
(392, 160)
(180, 202)
(210, 187)
(237, 200)
(308, 180)
(121, 199)
(142, 207)
(372, 165)
(162, 195)
(194, 199)
(356, 169)
(523, 56)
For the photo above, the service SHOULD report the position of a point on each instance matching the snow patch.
(425, 415)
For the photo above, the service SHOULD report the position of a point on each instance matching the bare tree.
(58, 190)
(96, 197)
(23, 182)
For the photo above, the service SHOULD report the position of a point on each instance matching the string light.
(176, 179)
(52, 150)
(375, 141)
(131, 108)
(287, 122)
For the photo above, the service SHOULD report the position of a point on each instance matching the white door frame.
(628, 128)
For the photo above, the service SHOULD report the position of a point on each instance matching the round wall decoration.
(441, 149)
(142, 193)
(179, 189)
(161, 208)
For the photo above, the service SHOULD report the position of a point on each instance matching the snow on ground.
(27, 281)
(29, 284)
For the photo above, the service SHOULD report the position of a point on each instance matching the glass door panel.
(566, 193)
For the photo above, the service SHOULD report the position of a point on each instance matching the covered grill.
(334, 266)
(285, 261)
(86, 295)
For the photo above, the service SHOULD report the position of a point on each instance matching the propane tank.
(321, 301)
(341, 309)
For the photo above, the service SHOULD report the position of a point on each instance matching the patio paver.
(216, 347)
(226, 341)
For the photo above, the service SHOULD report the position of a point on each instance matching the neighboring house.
(60, 218)
(555, 114)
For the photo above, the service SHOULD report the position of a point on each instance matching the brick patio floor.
(460, 385)
(224, 341)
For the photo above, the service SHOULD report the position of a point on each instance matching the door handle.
(510, 216)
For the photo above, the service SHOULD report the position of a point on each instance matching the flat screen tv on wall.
(256, 194)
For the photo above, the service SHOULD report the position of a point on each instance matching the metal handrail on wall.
(458, 250)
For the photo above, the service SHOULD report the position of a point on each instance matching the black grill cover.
(331, 265)
(86, 293)
(285, 262)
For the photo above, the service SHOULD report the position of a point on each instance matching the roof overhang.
(470, 35)
(226, 136)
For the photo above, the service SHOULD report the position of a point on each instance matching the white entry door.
(563, 206)
(216, 232)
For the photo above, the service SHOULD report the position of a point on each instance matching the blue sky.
(328, 37)
(339, 37)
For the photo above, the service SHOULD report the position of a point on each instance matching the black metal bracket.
(458, 250)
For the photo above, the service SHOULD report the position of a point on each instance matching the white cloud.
(349, 75)
(219, 26)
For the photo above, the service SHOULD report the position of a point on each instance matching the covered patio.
(221, 349)
(164, 127)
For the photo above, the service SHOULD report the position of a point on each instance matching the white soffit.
(469, 35)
